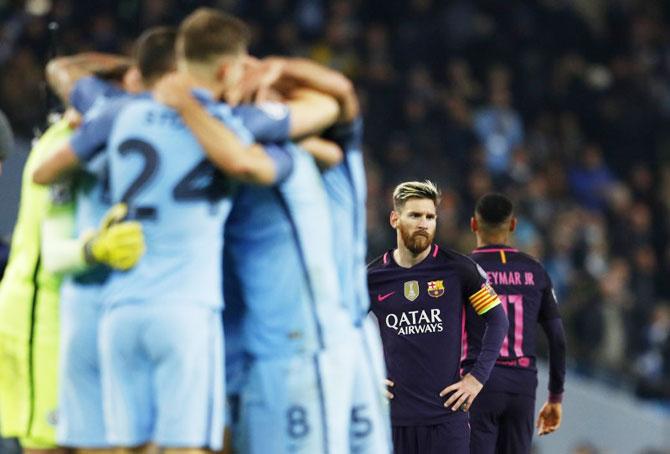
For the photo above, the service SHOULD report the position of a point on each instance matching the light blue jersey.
(345, 183)
(346, 187)
(281, 242)
(159, 169)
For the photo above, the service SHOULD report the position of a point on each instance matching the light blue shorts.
(162, 375)
(283, 407)
(329, 402)
(80, 414)
(370, 423)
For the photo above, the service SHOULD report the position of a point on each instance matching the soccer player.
(294, 328)
(419, 293)
(502, 417)
(340, 158)
(29, 319)
(346, 188)
(79, 205)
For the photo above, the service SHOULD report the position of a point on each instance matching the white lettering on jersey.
(416, 322)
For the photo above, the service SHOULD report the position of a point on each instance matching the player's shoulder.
(112, 107)
(530, 261)
(380, 262)
(454, 258)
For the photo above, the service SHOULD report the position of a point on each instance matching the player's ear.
(393, 219)
(512, 224)
(132, 80)
(473, 224)
(221, 70)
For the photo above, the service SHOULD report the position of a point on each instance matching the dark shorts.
(451, 437)
(501, 423)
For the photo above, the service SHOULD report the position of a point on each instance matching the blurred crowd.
(562, 104)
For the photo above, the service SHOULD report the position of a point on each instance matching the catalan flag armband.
(484, 300)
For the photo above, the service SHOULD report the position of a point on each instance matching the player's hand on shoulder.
(549, 419)
(117, 243)
(387, 392)
(174, 90)
(462, 392)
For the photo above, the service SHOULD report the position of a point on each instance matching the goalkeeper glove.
(117, 243)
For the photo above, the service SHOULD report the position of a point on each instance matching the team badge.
(412, 290)
(436, 288)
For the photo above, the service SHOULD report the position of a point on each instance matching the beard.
(416, 242)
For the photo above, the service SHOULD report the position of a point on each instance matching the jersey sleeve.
(549, 304)
(87, 89)
(91, 137)
(348, 136)
(282, 159)
(267, 122)
(477, 289)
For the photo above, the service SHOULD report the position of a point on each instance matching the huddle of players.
(444, 316)
(195, 195)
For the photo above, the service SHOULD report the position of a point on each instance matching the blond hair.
(415, 190)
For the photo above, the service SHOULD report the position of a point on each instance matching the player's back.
(526, 295)
(266, 274)
(346, 188)
(281, 244)
(158, 168)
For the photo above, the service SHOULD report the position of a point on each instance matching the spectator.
(591, 180)
(498, 125)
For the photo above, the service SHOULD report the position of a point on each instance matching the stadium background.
(563, 104)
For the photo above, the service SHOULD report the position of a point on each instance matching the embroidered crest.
(412, 290)
(436, 288)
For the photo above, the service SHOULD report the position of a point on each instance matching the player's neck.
(488, 240)
(199, 78)
(406, 258)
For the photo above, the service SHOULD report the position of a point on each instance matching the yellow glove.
(117, 243)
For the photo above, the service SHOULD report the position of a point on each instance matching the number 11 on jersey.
(513, 306)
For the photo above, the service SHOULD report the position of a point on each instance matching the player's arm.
(116, 243)
(311, 112)
(307, 73)
(63, 73)
(86, 143)
(249, 163)
(550, 415)
(486, 304)
(466, 390)
(57, 166)
(61, 251)
(325, 152)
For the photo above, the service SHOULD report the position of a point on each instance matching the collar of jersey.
(203, 95)
(429, 258)
(495, 246)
